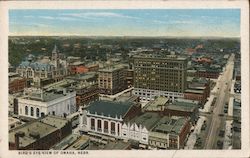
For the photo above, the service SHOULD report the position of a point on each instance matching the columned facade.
(103, 125)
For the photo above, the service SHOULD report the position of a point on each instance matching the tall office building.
(159, 76)
(112, 79)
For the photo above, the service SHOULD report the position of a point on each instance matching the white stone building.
(138, 128)
(135, 132)
(54, 102)
(105, 117)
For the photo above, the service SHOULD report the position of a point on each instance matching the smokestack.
(17, 141)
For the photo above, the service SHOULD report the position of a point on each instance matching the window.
(32, 111)
(37, 112)
(42, 114)
(53, 112)
(26, 110)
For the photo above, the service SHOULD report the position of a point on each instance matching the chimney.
(64, 91)
(17, 141)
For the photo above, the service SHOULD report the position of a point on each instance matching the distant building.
(77, 67)
(41, 103)
(199, 90)
(106, 117)
(86, 92)
(54, 68)
(112, 79)
(17, 83)
(130, 78)
(41, 134)
(208, 73)
(169, 133)
(159, 76)
(85, 85)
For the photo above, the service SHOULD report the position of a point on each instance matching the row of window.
(31, 111)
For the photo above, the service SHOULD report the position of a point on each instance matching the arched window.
(32, 111)
(26, 110)
(37, 112)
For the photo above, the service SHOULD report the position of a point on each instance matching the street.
(222, 97)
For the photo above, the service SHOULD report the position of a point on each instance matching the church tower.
(55, 56)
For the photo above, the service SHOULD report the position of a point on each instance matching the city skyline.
(126, 22)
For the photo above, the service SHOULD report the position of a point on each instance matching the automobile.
(219, 143)
(221, 133)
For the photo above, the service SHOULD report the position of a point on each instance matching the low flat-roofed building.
(89, 77)
(110, 145)
(80, 144)
(13, 122)
(86, 87)
(198, 89)
(39, 103)
(72, 142)
(39, 134)
(117, 145)
(156, 105)
(169, 133)
(182, 107)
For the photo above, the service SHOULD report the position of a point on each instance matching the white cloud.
(97, 15)
(67, 18)
(47, 17)
(159, 22)
(181, 22)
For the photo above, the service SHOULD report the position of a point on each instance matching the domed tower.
(55, 56)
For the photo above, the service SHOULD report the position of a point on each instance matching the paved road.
(222, 97)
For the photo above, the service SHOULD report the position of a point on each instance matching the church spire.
(55, 50)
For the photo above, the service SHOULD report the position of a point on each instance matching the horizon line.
(133, 36)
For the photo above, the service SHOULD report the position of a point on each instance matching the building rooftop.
(37, 65)
(109, 108)
(165, 57)
(148, 120)
(182, 106)
(117, 145)
(111, 68)
(196, 91)
(85, 76)
(79, 144)
(47, 96)
(37, 129)
(156, 104)
(172, 124)
(12, 120)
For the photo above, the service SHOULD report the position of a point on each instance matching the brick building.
(170, 133)
(199, 90)
(16, 83)
(112, 79)
(40, 134)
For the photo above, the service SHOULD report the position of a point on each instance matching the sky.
(126, 22)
